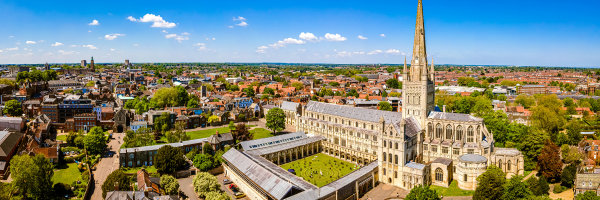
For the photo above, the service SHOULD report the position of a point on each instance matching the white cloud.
(185, 33)
(361, 37)
(263, 47)
(89, 31)
(242, 24)
(30, 42)
(112, 49)
(94, 22)
(10, 36)
(90, 46)
(165, 31)
(57, 44)
(42, 41)
(375, 52)
(157, 19)
(12, 49)
(50, 54)
(239, 18)
(66, 52)
(1, 51)
(392, 51)
(285, 42)
(334, 49)
(211, 39)
(301, 49)
(382, 35)
(336, 37)
(203, 48)
(344, 54)
(135, 45)
(73, 46)
(260, 51)
(199, 44)
(112, 36)
(359, 53)
(308, 37)
(24, 49)
(230, 26)
(179, 38)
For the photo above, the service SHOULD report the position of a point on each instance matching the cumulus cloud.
(359, 53)
(185, 33)
(260, 51)
(12, 49)
(57, 44)
(112, 36)
(203, 48)
(30, 42)
(94, 22)
(199, 44)
(308, 37)
(1, 51)
(263, 47)
(49, 54)
(394, 51)
(239, 18)
(361, 37)
(165, 31)
(344, 54)
(66, 52)
(375, 52)
(336, 37)
(179, 38)
(286, 41)
(112, 49)
(230, 26)
(157, 19)
(90, 46)
(242, 24)
(73, 46)
(382, 35)
(211, 39)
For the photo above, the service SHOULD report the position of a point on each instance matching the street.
(107, 164)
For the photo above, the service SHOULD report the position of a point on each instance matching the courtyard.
(320, 169)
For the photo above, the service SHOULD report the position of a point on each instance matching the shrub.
(558, 189)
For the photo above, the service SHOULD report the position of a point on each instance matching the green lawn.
(261, 133)
(207, 132)
(67, 174)
(332, 168)
(149, 169)
(526, 173)
(453, 190)
(61, 137)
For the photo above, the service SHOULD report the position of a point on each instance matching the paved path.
(529, 175)
(185, 185)
(107, 164)
(385, 191)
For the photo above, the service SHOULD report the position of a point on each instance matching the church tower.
(92, 65)
(418, 82)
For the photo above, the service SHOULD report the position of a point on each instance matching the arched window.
(465, 177)
(384, 160)
(500, 165)
(479, 132)
(459, 133)
(396, 147)
(395, 174)
(390, 144)
(430, 130)
(384, 170)
(390, 155)
(470, 134)
(384, 144)
(508, 165)
(448, 132)
(396, 159)
(438, 131)
(439, 174)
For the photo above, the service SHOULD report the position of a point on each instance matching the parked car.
(226, 181)
(239, 195)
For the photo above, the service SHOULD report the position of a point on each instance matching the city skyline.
(464, 33)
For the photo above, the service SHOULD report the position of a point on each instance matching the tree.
(118, 177)
(269, 90)
(241, 133)
(249, 92)
(392, 83)
(204, 162)
(169, 159)
(13, 108)
(422, 192)
(179, 133)
(94, 141)
(568, 102)
(574, 132)
(533, 185)
(334, 84)
(502, 97)
(298, 85)
(207, 149)
(217, 196)
(166, 97)
(516, 189)
(465, 80)
(543, 186)
(231, 125)
(532, 145)
(549, 163)
(192, 103)
(573, 155)
(71, 138)
(32, 175)
(209, 87)
(169, 184)
(242, 117)
(490, 184)
(588, 195)
(384, 105)
(383, 94)
(525, 100)
(213, 118)
(568, 175)
(275, 120)
(205, 183)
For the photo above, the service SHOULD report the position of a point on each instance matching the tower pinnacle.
(419, 59)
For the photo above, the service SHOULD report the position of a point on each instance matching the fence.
(88, 189)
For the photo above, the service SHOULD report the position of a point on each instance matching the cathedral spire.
(419, 58)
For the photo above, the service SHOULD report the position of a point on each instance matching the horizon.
(468, 33)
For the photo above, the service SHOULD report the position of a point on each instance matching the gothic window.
(459, 133)
(430, 130)
(396, 147)
(390, 144)
(438, 131)
(384, 168)
(439, 174)
(448, 132)
(396, 173)
(465, 178)
(500, 165)
(418, 99)
(390, 155)
(384, 144)
(396, 159)
(479, 131)
(508, 166)
(470, 134)
(384, 155)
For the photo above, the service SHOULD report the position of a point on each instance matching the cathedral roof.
(411, 126)
(453, 116)
(354, 112)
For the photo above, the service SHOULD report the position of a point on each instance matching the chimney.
(116, 186)
(444, 108)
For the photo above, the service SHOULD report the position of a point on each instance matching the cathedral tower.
(418, 82)
(92, 65)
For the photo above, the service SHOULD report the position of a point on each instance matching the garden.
(320, 169)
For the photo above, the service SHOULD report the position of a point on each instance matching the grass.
(208, 132)
(526, 173)
(261, 133)
(67, 174)
(61, 137)
(453, 190)
(331, 167)
(133, 170)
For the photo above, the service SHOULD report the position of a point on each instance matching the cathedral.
(419, 145)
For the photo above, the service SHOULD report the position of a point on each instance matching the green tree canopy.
(275, 120)
(94, 141)
(169, 184)
(169, 159)
(118, 177)
(516, 189)
(525, 100)
(13, 108)
(491, 184)
(32, 175)
(421, 192)
(384, 105)
(205, 183)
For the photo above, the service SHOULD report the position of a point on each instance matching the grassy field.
(149, 169)
(208, 132)
(67, 174)
(61, 137)
(261, 133)
(332, 169)
(453, 190)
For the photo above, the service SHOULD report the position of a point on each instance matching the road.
(107, 164)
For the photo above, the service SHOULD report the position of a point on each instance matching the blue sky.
(510, 32)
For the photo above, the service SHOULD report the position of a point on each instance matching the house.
(146, 183)
(9, 142)
(137, 125)
(49, 152)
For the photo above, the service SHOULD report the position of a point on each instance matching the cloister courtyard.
(320, 169)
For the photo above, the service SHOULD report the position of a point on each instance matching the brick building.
(84, 121)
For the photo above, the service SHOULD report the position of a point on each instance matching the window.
(396, 146)
(459, 133)
(384, 156)
(445, 150)
(384, 144)
(396, 159)
(508, 166)
(390, 156)
(425, 147)
(500, 165)
(456, 151)
(395, 174)
(485, 151)
(390, 144)
(434, 148)
(448, 132)
(470, 151)
(439, 174)
(429, 130)
(384, 170)
(470, 135)
(465, 178)
(438, 131)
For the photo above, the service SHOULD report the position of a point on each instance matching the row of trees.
(37, 75)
